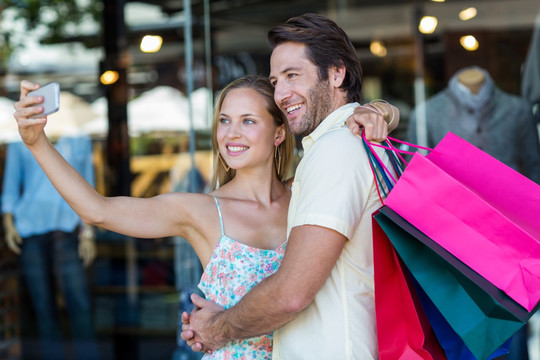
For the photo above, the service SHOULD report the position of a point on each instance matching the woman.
(238, 230)
(252, 151)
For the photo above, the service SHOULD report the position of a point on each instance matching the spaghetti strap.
(220, 218)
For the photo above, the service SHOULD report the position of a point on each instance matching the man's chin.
(295, 125)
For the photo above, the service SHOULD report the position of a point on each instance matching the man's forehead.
(287, 56)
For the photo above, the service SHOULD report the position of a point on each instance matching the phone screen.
(51, 98)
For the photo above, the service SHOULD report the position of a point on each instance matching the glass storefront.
(139, 84)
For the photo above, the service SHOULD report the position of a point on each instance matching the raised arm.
(164, 215)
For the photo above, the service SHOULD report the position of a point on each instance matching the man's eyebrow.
(287, 69)
(290, 68)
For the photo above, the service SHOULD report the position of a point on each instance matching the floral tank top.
(232, 271)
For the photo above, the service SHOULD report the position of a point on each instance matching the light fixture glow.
(469, 42)
(438, 0)
(109, 77)
(468, 13)
(377, 48)
(428, 24)
(151, 43)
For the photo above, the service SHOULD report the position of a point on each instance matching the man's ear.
(337, 76)
(280, 135)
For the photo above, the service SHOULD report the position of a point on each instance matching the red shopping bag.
(403, 331)
(478, 209)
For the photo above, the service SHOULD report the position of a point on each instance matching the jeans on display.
(51, 259)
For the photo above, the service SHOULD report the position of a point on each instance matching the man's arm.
(312, 252)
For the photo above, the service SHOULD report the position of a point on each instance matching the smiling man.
(322, 297)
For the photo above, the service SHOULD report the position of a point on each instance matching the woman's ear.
(280, 135)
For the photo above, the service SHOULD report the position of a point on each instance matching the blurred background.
(140, 77)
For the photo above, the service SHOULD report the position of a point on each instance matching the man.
(321, 298)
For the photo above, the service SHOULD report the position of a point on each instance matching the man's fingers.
(185, 318)
(198, 301)
(187, 335)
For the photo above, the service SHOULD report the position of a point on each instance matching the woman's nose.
(233, 130)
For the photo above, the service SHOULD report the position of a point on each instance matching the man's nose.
(281, 93)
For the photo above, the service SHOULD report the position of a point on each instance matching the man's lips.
(292, 108)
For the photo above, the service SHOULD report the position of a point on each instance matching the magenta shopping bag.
(480, 210)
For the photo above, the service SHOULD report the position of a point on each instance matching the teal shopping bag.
(482, 323)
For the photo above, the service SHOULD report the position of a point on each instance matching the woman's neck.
(264, 189)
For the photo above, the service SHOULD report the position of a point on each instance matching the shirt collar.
(335, 119)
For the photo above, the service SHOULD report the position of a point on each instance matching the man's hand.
(197, 328)
(373, 120)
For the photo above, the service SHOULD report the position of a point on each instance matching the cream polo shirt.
(334, 188)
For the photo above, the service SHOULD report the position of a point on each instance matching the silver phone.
(51, 98)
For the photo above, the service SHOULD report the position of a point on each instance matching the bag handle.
(384, 180)
(399, 151)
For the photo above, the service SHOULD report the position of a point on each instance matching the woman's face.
(246, 132)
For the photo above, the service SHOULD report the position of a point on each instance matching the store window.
(139, 88)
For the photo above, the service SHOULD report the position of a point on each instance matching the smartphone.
(51, 98)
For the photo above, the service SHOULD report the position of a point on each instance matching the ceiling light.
(151, 43)
(467, 14)
(428, 24)
(377, 48)
(469, 42)
(109, 77)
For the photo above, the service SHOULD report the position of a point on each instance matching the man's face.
(301, 95)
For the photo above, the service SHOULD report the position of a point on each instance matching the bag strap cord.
(384, 178)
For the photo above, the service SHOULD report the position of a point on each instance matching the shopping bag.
(481, 322)
(453, 345)
(472, 204)
(403, 331)
(501, 297)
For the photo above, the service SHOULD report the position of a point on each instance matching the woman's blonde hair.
(285, 150)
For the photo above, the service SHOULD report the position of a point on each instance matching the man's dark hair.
(327, 46)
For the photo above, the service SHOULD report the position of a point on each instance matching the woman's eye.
(249, 121)
(223, 121)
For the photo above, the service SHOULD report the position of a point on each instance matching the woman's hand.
(30, 129)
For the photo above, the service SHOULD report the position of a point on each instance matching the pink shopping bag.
(480, 210)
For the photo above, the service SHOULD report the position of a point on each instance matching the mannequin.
(472, 78)
(53, 244)
(473, 108)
